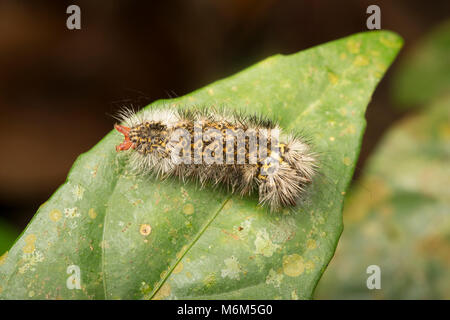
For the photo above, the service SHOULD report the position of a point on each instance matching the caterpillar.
(245, 153)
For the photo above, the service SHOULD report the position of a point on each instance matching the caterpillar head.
(145, 138)
(127, 143)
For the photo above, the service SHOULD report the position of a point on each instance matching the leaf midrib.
(103, 234)
(191, 244)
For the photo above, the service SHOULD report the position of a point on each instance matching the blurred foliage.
(425, 72)
(397, 216)
(7, 235)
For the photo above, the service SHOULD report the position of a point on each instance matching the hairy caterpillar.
(244, 153)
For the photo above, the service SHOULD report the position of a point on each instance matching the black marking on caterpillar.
(280, 176)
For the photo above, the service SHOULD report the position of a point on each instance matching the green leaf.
(425, 72)
(206, 243)
(397, 217)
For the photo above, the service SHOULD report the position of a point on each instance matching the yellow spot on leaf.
(145, 229)
(390, 43)
(163, 292)
(209, 280)
(178, 268)
(188, 208)
(293, 265)
(347, 161)
(311, 244)
(353, 46)
(55, 215)
(334, 79)
(29, 244)
(361, 61)
(92, 213)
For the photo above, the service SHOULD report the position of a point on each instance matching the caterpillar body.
(245, 153)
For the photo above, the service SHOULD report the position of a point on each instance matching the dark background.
(58, 87)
